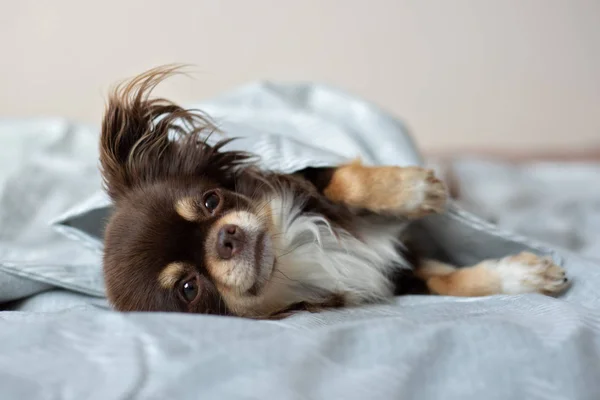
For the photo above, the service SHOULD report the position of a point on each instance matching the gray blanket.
(58, 340)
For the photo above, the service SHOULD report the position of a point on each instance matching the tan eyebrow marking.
(171, 274)
(186, 208)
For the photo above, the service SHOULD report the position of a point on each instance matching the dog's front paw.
(410, 192)
(529, 273)
(417, 193)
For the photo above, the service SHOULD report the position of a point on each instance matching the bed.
(59, 339)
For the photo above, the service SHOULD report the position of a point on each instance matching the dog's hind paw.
(529, 273)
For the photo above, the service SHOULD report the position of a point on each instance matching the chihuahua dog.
(200, 229)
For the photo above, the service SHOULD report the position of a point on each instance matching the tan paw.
(411, 192)
(416, 192)
(529, 273)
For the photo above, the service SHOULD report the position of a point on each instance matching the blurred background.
(509, 77)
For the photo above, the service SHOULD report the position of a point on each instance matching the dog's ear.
(135, 143)
(133, 139)
(147, 139)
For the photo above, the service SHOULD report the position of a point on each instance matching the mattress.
(59, 340)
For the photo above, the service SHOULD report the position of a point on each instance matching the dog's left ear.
(134, 138)
(135, 142)
(146, 139)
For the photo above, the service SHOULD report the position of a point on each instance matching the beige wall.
(507, 74)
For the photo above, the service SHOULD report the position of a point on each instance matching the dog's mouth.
(244, 257)
(264, 262)
(259, 250)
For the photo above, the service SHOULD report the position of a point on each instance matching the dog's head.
(182, 236)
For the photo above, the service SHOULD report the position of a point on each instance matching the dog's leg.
(521, 273)
(410, 192)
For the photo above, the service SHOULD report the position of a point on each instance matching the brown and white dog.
(203, 230)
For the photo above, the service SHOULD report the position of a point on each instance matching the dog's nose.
(230, 241)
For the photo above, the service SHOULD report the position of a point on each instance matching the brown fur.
(135, 148)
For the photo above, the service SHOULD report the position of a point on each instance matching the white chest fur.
(315, 260)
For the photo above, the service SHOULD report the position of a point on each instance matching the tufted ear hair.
(144, 139)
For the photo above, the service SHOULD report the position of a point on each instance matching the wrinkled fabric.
(558, 203)
(63, 342)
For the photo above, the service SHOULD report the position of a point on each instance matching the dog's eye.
(190, 289)
(211, 201)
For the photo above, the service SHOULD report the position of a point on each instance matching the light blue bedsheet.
(63, 343)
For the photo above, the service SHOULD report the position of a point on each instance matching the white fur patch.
(418, 196)
(315, 260)
(527, 275)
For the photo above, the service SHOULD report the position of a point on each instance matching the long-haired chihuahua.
(197, 228)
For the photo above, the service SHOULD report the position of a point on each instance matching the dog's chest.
(317, 257)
